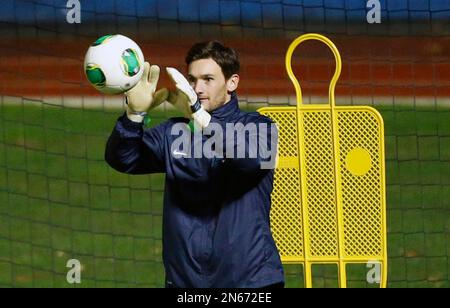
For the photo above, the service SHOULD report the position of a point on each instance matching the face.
(207, 79)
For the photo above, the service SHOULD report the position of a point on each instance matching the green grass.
(59, 200)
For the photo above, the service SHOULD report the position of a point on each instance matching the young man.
(216, 229)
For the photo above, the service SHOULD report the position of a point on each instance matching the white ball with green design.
(114, 64)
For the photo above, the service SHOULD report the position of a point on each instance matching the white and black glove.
(186, 100)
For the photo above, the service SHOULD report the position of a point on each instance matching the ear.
(232, 83)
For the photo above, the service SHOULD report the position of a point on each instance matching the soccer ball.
(114, 64)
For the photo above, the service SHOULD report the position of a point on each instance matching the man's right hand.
(142, 96)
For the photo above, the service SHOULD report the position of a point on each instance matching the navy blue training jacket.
(216, 230)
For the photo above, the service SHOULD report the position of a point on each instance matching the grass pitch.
(59, 200)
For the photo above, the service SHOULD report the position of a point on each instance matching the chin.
(208, 107)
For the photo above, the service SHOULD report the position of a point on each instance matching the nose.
(198, 87)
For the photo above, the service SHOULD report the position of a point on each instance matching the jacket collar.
(226, 111)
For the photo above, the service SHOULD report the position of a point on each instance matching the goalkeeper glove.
(186, 100)
(142, 96)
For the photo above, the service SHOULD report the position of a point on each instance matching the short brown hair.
(225, 57)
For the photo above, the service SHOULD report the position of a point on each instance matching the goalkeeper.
(216, 228)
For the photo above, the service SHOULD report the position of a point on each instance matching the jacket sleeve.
(131, 149)
(256, 151)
